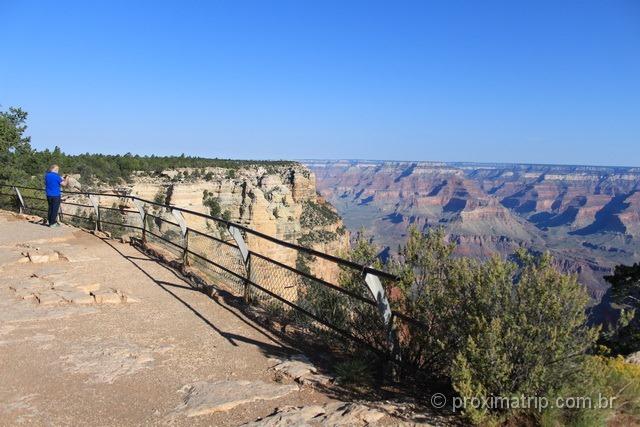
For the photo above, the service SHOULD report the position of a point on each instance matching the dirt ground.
(118, 363)
(93, 332)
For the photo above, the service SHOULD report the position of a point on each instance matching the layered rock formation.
(588, 217)
(280, 201)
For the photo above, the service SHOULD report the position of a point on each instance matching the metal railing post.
(246, 259)
(374, 284)
(185, 253)
(183, 231)
(143, 217)
(21, 205)
(95, 201)
(144, 228)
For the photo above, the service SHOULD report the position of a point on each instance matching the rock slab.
(300, 369)
(202, 397)
(331, 414)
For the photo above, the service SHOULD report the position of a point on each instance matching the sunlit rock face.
(588, 217)
(280, 201)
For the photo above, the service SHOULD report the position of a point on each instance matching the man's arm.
(65, 181)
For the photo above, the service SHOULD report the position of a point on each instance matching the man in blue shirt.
(52, 183)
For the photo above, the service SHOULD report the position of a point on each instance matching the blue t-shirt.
(52, 182)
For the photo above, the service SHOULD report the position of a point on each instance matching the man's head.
(54, 168)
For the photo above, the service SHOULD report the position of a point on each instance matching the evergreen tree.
(625, 292)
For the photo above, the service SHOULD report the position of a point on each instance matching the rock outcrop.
(280, 201)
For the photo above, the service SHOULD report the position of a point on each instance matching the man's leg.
(54, 210)
(50, 210)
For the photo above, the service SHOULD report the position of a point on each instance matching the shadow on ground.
(284, 344)
(279, 350)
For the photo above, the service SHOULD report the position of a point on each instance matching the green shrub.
(527, 338)
(212, 202)
(612, 389)
(625, 293)
(360, 319)
(15, 147)
(356, 371)
(160, 197)
(316, 236)
(317, 214)
(113, 216)
(493, 328)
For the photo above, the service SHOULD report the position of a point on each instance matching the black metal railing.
(317, 294)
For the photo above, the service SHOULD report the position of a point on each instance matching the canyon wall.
(587, 217)
(280, 201)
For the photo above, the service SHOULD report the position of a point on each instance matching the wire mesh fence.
(117, 218)
(164, 233)
(328, 311)
(226, 267)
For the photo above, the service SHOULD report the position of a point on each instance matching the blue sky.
(504, 81)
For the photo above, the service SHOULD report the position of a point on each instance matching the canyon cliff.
(587, 217)
(280, 201)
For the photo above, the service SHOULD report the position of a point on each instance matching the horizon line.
(302, 160)
(468, 163)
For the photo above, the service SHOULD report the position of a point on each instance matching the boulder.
(73, 183)
(301, 370)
